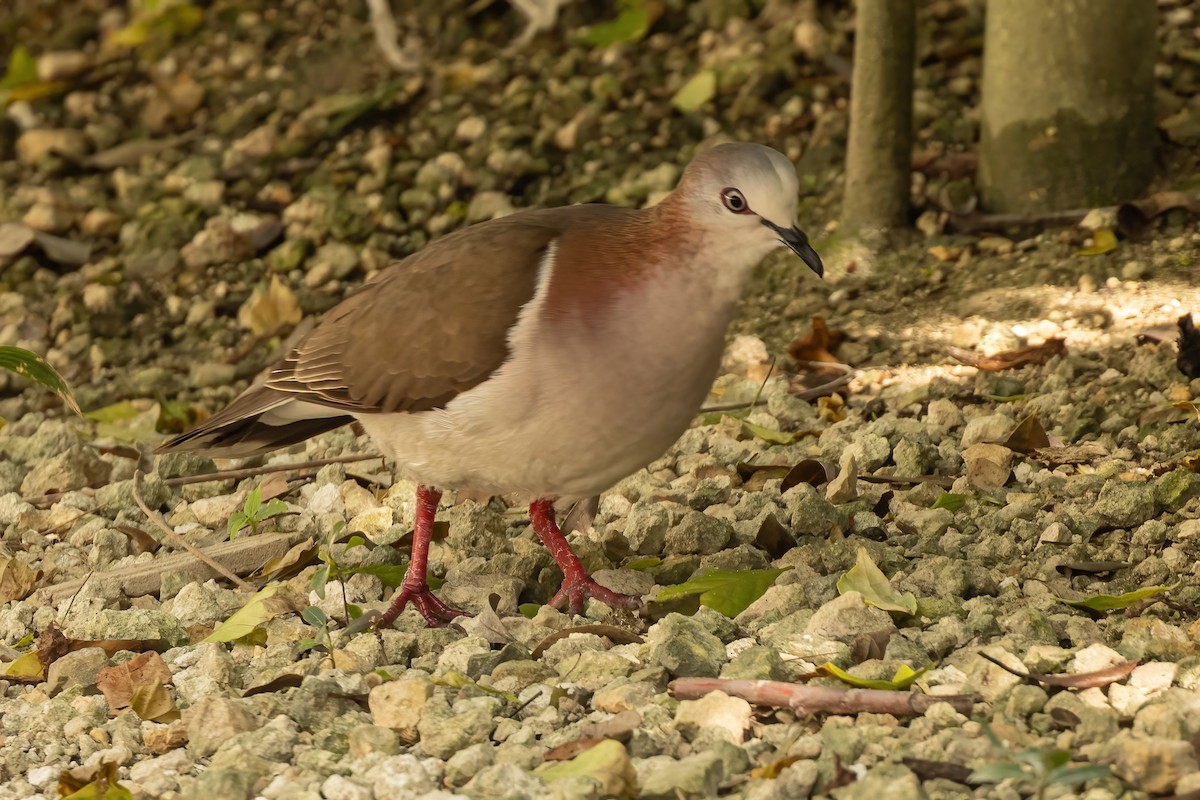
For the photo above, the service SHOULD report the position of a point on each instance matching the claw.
(577, 585)
(576, 593)
(435, 612)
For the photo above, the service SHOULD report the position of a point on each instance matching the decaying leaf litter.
(222, 217)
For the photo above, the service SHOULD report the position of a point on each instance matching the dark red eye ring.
(735, 201)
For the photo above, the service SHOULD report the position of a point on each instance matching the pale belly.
(569, 418)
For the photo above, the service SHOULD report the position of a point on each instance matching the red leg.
(577, 585)
(416, 586)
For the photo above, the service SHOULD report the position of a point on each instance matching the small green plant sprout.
(30, 365)
(317, 619)
(1041, 767)
(254, 512)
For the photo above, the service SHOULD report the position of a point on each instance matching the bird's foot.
(577, 589)
(435, 612)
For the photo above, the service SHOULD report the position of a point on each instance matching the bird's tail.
(258, 421)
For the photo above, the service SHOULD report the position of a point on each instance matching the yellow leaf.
(1103, 241)
(256, 611)
(696, 92)
(903, 678)
(270, 309)
(27, 666)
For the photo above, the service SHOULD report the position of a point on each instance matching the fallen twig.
(848, 373)
(220, 475)
(1078, 680)
(383, 25)
(804, 700)
(244, 555)
(937, 480)
(250, 472)
(196, 552)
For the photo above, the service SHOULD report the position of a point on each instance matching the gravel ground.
(175, 209)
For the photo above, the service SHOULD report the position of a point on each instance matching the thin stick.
(938, 480)
(222, 475)
(196, 552)
(250, 472)
(384, 27)
(804, 700)
(848, 373)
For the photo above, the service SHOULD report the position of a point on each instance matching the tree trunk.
(879, 153)
(1068, 104)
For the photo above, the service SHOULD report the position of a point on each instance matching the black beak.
(796, 240)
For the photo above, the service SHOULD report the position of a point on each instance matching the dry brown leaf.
(808, 471)
(611, 632)
(121, 683)
(17, 579)
(819, 344)
(142, 541)
(1028, 436)
(153, 702)
(1070, 454)
(773, 537)
(270, 309)
(771, 771)
(274, 486)
(619, 728)
(831, 408)
(290, 563)
(1012, 359)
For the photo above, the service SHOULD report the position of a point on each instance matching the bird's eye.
(735, 201)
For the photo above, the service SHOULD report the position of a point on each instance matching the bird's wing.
(432, 326)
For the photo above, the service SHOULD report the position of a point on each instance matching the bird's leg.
(577, 585)
(416, 586)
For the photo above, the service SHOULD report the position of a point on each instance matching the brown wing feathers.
(432, 326)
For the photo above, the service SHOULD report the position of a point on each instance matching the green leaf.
(22, 69)
(696, 92)
(304, 645)
(258, 609)
(25, 641)
(355, 541)
(253, 503)
(631, 24)
(1108, 602)
(607, 763)
(903, 678)
(273, 508)
(643, 563)
(529, 610)
(951, 501)
(315, 617)
(117, 412)
(769, 434)
(237, 521)
(869, 581)
(354, 611)
(729, 592)
(1079, 774)
(319, 579)
(30, 365)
